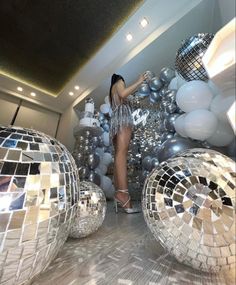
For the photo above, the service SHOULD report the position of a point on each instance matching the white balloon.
(99, 151)
(106, 138)
(107, 100)
(221, 104)
(105, 108)
(98, 171)
(194, 95)
(107, 158)
(223, 135)
(200, 124)
(179, 126)
(180, 80)
(214, 88)
(106, 184)
(173, 84)
(103, 168)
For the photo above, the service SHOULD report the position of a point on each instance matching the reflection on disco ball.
(91, 210)
(188, 60)
(38, 194)
(188, 204)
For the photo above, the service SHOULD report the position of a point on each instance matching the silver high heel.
(122, 205)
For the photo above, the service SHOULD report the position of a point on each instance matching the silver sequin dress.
(121, 115)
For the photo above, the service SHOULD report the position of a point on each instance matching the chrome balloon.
(155, 83)
(166, 75)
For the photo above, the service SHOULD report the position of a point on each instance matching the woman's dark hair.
(115, 78)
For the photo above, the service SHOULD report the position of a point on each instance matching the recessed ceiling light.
(19, 88)
(71, 93)
(129, 37)
(144, 22)
(33, 94)
(76, 87)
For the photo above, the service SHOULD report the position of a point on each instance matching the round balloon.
(154, 97)
(94, 177)
(147, 163)
(107, 158)
(106, 138)
(104, 108)
(155, 84)
(103, 168)
(194, 95)
(166, 75)
(200, 124)
(173, 84)
(143, 90)
(175, 146)
(221, 104)
(83, 172)
(179, 126)
(222, 136)
(170, 122)
(106, 184)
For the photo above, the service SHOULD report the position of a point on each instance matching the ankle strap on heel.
(123, 191)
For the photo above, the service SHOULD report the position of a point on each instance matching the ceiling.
(49, 47)
(44, 43)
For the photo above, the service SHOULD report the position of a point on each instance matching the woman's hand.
(142, 78)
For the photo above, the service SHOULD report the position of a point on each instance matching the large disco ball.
(188, 62)
(188, 204)
(91, 210)
(38, 194)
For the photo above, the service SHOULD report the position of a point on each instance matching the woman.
(120, 131)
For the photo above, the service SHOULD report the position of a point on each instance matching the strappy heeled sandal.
(122, 205)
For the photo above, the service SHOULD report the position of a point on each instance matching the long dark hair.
(115, 78)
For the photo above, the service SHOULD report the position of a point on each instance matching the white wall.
(28, 116)
(37, 118)
(224, 12)
(68, 121)
(8, 106)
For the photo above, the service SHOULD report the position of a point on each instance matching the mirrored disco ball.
(188, 62)
(38, 194)
(90, 212)
(189, 205)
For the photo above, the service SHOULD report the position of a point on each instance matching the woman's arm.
(124, 92)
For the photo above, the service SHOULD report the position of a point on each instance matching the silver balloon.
(154, 97)
(83, 172)
(155, 162)
(94, 177)
(90, 212)
(143, 90)
(149, 75)
(79, 159)
(101, 117)
(171, 107)
(93, 161)
(166, 136)
(143, 176)
(163, 91)
(147, 163)
(170, 122)
(166, 75)
(155, 83)
(188, 60)
(170, 95)
(106, 127)
(174, 146)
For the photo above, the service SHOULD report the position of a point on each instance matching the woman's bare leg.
(122, 141)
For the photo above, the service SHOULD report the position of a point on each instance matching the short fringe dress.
(121, 115)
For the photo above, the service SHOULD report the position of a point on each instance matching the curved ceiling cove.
(43, 43)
